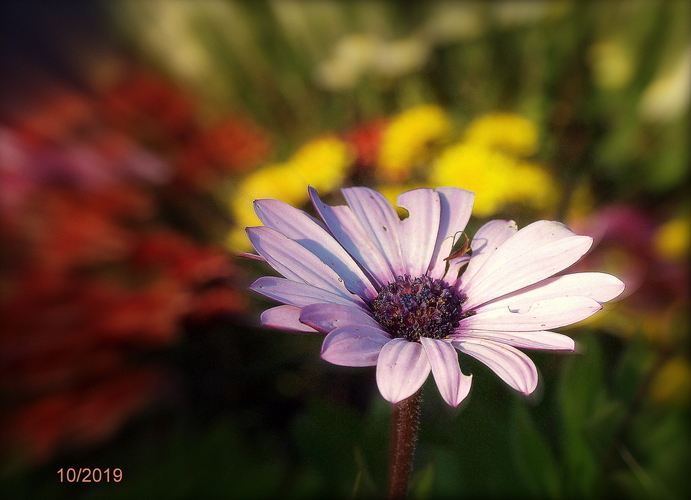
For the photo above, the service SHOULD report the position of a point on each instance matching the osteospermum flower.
(390, 292)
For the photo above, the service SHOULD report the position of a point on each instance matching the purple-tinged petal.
(453, 385)
(402, 368)
(456, 206)
(518, 263)
(346, 228)
(540, 315)
(512, 366)
(418, 231)
(305, 230)
(354, 345)
(526, 340)
(485, 242)
(252, 256)
(328, 317)
(380, 221)
(286, 318)
(297, 263)
(296, 294)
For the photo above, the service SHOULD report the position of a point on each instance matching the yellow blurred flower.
(671, 241)
(391, 192)
(533, 185)
(489, 161)
(410, 140)
(478, 169)
(612, 64)
(496, 178)
(507, 132)
(321, 163)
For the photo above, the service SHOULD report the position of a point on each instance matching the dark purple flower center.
(418, 307)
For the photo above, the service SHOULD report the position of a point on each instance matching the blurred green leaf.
(533, 456)
(422, 482)
(326, 435)
(581, 387)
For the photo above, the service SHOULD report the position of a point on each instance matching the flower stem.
(405, 420)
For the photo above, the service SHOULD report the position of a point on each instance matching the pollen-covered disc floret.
(411, 308)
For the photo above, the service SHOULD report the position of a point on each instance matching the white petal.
(300, 227)
(346, 228)
(286, 318)
(402, 368)
(455, 266)
(485, 242)
(598, 286)
(380, 221)
(453, 385)
(418, 232)
(297, 294)
(541, 315)
(512, 366)
(328, 317)
(527, 340)
(354, 345)
(520, 261)
(456, 206)
(297, 263)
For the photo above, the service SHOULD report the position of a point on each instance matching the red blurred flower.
(91, 277)
(149, 108)
(366, 141)
(79, 416)
(164, 117)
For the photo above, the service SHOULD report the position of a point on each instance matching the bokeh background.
(134, 136)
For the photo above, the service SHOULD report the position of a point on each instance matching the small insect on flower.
(461, 251)
(394, 294)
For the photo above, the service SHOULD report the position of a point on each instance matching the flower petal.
(300, 227)
(252, 256)
(598, 286)
(527, 340)
(512, 366)
(540, 315)
(418, 232)
(328, 317)
(456, 206)
(401, 370)
(354, 345)
(297, 263)
(380, 221)
(534, 253)
(286, 318)
(455, 266)
(486, 240)
(453, 385)
(345, 227)
(296, 294)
